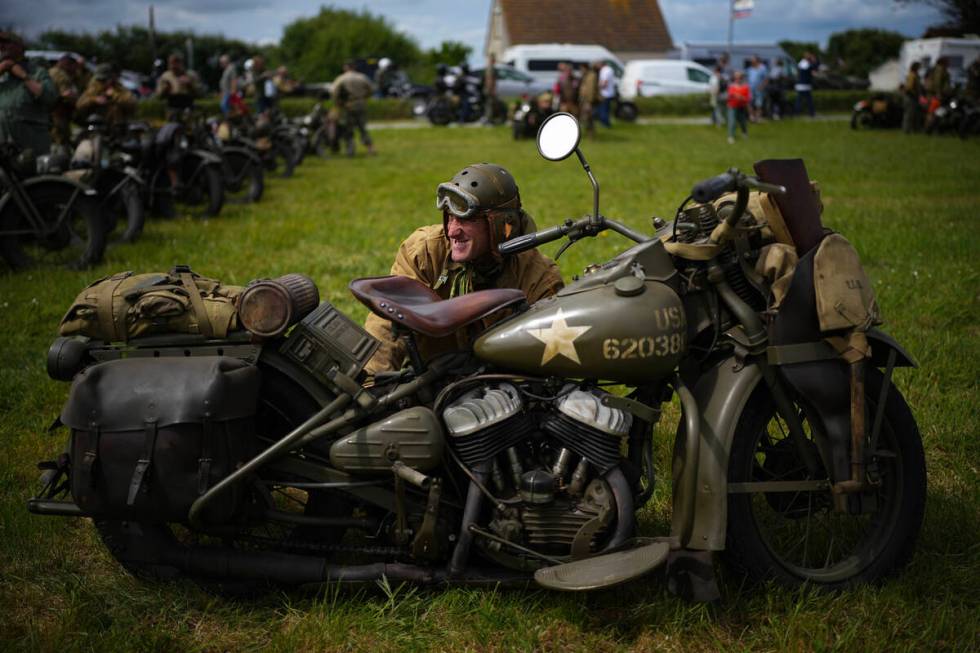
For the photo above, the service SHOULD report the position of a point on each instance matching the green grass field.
(910, 204)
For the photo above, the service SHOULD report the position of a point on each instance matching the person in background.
(481, 208)
(775, 98)
(739, 100)
(804, 82)
(228, 86)
(939, 88)
(757, 76)
(489, 89)
(911, 90)
(63, 76)
(265, 89)
(351, 91)
(566, 88)
(177, 86)
(718, 94)
(104, 96)
(607, 91)
(384, 77)
(27, 96)
(284, 83)
(588, 94)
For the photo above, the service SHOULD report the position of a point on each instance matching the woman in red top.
(739, 97)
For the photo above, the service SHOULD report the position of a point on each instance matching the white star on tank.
(559, 339)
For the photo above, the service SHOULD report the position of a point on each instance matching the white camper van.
(645, 77)
(540, 61)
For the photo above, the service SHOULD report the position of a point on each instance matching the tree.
(796, 49)
(962, 17)
(129, 48)
(316, 48)
(859, 51)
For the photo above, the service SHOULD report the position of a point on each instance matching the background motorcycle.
(512, 461)
(529, 113)
(241, 167)
(459, 97)
(110, 171)
(174, 170)
(46, 218)
(882, 110)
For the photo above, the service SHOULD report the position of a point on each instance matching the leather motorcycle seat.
(417, 307)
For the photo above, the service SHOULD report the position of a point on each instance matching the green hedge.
(693, 105)
(664, 105)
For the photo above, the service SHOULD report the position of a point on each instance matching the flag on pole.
(742, 8)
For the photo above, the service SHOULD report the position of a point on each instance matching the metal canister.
(268, 307)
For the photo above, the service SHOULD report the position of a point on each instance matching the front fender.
(250, 153)
(208, 156)
(721, 395)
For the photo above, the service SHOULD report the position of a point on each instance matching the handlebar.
(574, 229)
(727, 182)
(532, 240)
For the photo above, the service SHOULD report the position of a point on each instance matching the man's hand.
(101, 99)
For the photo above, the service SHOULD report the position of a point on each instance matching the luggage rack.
(236, 345)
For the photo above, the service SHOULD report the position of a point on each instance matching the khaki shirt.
(351, 89)
(425, 256)
(170, 84)
(118, 108)
(588, 91)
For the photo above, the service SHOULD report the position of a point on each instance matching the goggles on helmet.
(455, 200)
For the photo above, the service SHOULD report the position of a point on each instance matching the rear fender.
(721, 395)
(250, 153)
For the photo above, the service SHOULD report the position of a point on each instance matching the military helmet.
(476, 188)
(485, 189)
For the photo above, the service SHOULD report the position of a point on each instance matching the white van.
(540, 61)
(645, 77)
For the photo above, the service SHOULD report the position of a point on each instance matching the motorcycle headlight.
(308, 120)
(519, 114)
(941, 111)
(183, 143)
(952, 104)
(860, 105)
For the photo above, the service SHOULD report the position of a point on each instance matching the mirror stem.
(595, 187)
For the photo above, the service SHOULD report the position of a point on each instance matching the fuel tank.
(623, 322)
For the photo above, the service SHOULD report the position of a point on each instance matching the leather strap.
(86, 467)
(113, 326)
(143, 464)
(204, 462)
(197, 304)
(804, 352)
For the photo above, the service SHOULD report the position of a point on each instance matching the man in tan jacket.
(481, 208)
(351, 91)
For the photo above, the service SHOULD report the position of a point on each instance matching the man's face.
(469, 240)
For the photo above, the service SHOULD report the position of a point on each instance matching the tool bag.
(127, 305)
(151, 435)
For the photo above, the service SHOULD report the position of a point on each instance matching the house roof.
(619, 25)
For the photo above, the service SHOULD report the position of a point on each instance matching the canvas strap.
(86, 467)
(113, 326)
(197, 304)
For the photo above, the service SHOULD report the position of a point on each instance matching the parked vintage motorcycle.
(46, 217)
(260, 456)
(175, 170)
(241, 167)
(881, 110)
(100, 162)
(529, 113)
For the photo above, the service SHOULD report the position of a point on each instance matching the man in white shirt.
(607, 91)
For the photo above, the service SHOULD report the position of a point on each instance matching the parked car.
(541, 61)
(646, 77)
(512, 83)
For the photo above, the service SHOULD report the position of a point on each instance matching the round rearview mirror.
(558, 136)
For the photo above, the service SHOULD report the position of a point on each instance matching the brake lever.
(561, 250)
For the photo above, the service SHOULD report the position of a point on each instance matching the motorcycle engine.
(546, 459)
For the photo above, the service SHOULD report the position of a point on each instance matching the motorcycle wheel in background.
(284, 157)
(440, 112)
(798, 537)
(78, 242)
(128, 205)
(862, 119)
(626, 111)
(243, 176)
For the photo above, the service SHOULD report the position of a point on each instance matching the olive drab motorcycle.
(251, 449)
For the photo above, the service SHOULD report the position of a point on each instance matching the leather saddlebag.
(150, 435)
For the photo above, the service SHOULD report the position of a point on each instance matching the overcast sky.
(432, 21)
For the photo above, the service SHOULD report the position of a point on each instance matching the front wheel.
(796, 537)
(861, 120)
(243, 176)
(207, 189)
(72, 230)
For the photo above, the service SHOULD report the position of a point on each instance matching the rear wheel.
(130, 204)
(285, 157)
(861, 120)
(244, 178)
(440, 112)
(72, 233)
(796, 537)
(205, 188)
(626, 111)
